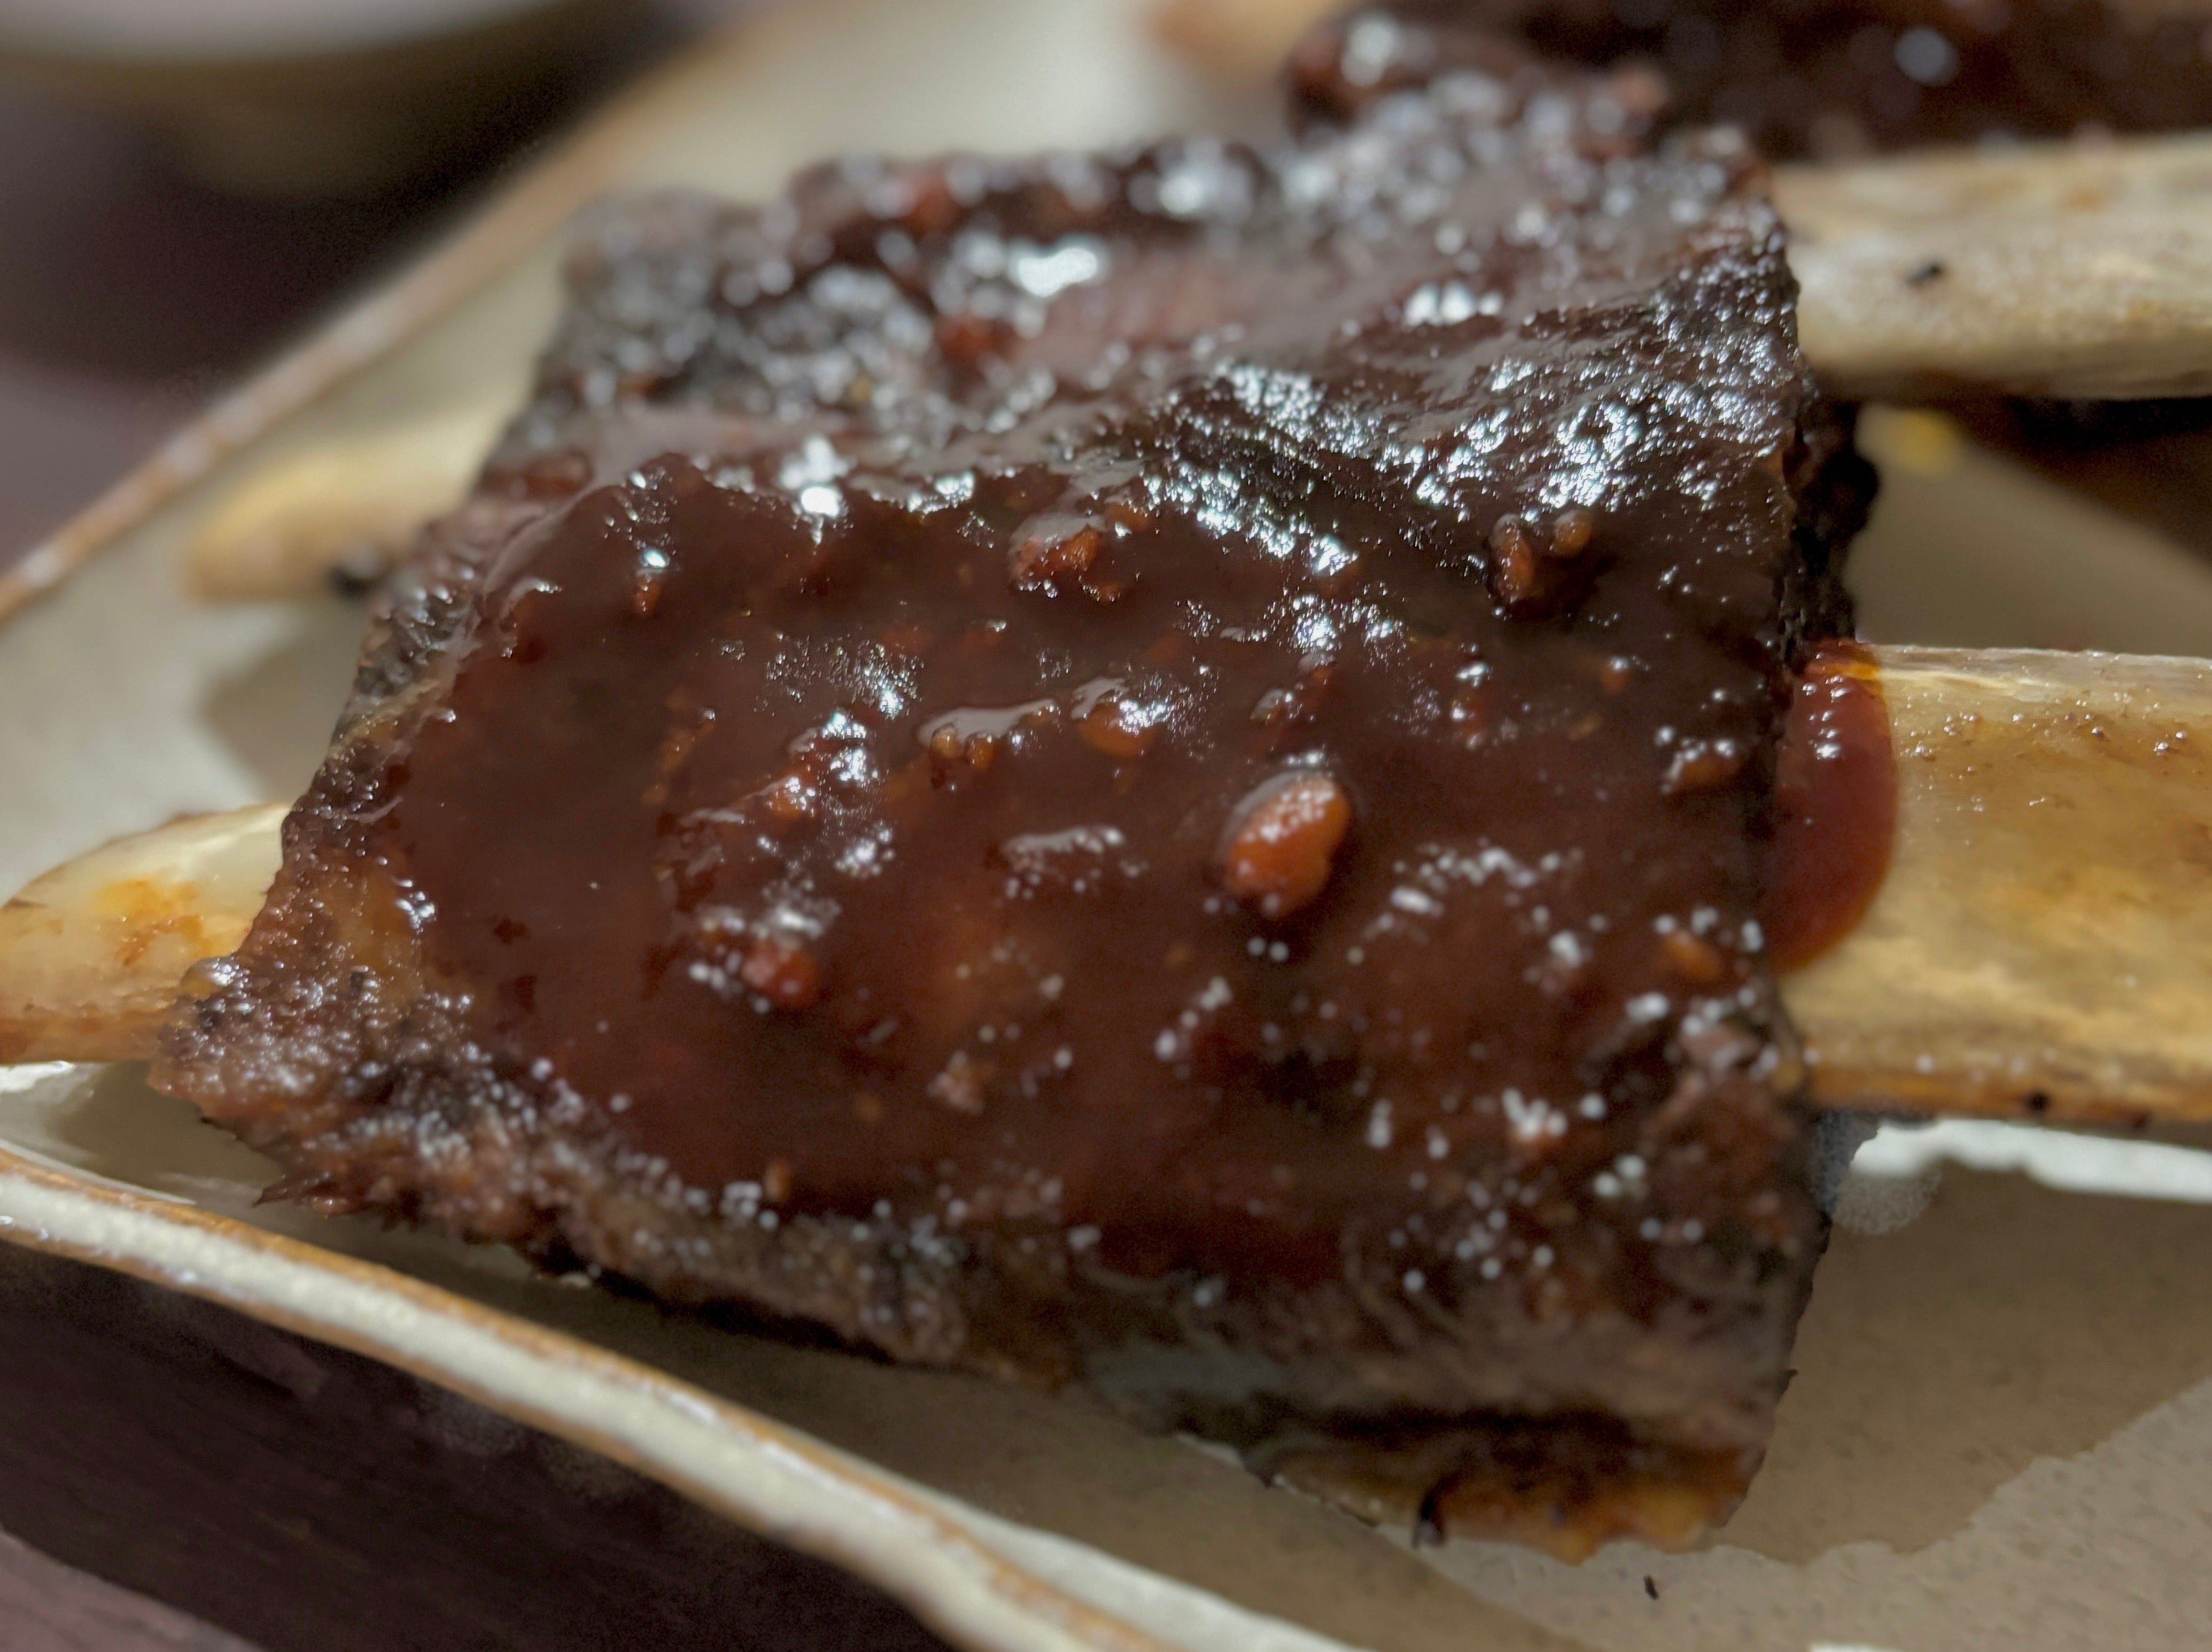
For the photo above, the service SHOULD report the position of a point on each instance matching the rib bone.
(91, 954)
(2042, 942)
(2051, 270)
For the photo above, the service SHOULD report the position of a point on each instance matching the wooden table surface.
(126, 297)
(48, 1607)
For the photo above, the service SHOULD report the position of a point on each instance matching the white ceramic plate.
(2001, 1433)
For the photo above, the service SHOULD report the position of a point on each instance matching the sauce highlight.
(1835, 806)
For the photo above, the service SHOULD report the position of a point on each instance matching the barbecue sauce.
(1150, 767)
(1835, 806)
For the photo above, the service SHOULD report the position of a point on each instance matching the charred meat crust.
(1145, 769)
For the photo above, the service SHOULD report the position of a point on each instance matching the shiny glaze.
(1174, 746)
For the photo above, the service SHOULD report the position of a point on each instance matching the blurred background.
(185, 184)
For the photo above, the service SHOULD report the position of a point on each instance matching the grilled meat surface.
(1836, 78)
(1148, 770)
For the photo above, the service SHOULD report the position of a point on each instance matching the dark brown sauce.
(1835, 805)
(1233, 791)
(1049, 762)
(1135, 813)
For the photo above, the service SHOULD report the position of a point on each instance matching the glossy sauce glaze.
(1169, 751)
(1835, 805)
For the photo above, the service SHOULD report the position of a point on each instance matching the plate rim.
(517, 215)
(922, 1557)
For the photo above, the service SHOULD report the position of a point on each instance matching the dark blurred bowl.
(315, 97)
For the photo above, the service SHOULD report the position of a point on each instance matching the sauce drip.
(1835, 803)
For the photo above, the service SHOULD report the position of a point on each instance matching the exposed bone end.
(2042, 945)
(1242, 42)
(344, 508)
(91, 954)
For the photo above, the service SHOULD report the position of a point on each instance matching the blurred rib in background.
(184, 184)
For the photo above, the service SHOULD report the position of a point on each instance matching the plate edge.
(976, 1598)
(519, 214)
